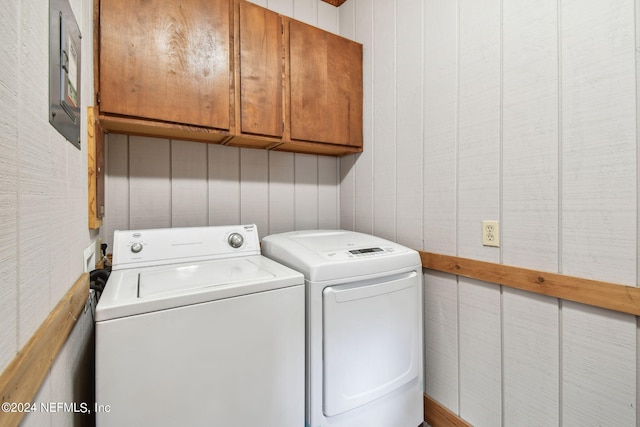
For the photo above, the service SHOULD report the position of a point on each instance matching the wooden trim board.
(437, 415)
(95, 165)
(622, 298)
(21, 380)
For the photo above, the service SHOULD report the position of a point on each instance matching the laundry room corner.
(43, 207)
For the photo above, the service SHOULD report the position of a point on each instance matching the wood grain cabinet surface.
(227, 71)
(260, 69)
(325, 74)
(164, 67)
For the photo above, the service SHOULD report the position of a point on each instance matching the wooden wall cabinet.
(258, 79)
(325, 87)
(164, 68)
(298, 88)
(227, 71)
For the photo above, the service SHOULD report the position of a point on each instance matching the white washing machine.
(364, 327)
(196, 328)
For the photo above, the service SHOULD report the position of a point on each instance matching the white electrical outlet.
(491, 233)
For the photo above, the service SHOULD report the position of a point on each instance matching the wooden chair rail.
(436, 415)
(622, 298)
(22, 378)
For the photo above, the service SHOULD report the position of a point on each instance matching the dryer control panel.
(359, 253)
(368, 251)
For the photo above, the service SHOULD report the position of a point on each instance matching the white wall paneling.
(347, 174)
(9, 92)
(441, 338)
(284, 7)
(282, 212)
(479, 140)
(346, 20)
(525, 113)
(58, 230)
(43, 195)
(364, 170)
(328, 194)
(224, 185)
(480, 356)
(306, 191)
(306, 11)
(117, 198)
(69, 372)
(440, 126)
(599, 141)
(254, 195)
(530, 134)
(598, 366)
(384, 138)
(328, 17)
(599, 205)
(531, 359)
(34, 169)
(479, 133)
(472, 110)
(409, 126)
(441, 327)
(347, 192)
(530, 325)
(156, 182)
(189, 201)
(149, 183)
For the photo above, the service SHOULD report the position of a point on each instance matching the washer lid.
(173, 279)
(323, 255)
(136, 291)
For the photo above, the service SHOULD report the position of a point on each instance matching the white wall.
(514, 111)
(155, 182)
(524, 112)
(43, 199)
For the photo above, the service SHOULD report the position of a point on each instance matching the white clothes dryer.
(364, 327)
(196, 328)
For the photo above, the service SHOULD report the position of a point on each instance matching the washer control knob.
(235, 240)
(136, 247)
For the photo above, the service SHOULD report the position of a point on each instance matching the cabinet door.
(261, 68)
(325, 75)
(166, 60)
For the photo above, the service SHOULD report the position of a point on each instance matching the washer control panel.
(157, 246)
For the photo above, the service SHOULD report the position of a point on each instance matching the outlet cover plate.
(491, 233)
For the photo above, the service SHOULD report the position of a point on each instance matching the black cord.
(98, 280)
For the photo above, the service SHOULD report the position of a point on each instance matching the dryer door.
(370, 340)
